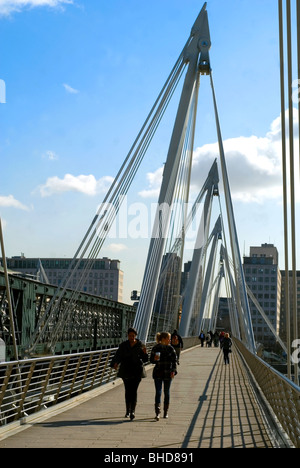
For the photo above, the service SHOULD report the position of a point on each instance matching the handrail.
(282, 394)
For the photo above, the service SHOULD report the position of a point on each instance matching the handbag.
(144, 373)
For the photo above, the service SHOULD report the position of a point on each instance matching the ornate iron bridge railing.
(95, 322)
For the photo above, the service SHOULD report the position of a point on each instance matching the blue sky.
(81, 77)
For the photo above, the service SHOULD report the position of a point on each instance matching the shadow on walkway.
(227, 414)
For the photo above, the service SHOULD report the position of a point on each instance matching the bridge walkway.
(212, 406)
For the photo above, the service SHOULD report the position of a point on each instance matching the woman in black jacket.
(164, 357)
(130, 356)
(226, 346)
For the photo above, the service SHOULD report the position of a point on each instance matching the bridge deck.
(212, 406)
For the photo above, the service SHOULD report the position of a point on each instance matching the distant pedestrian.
(164, 357)
(177, 343)
(216, 340)
(129, 360)
(227, 343)
(208, 340)
(202, 338)
(221, 339)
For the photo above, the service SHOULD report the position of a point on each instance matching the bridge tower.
(196, 57)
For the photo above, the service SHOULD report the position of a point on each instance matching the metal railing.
(29, 386)
(281, 393)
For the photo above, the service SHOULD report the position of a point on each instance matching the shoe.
(132, 416)
(166, 410)
(128, 411)
(157, 412)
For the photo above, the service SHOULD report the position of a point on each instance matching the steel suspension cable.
(292, 179)
(238, 270)
(115, 203)
(165, 287)
(125, 174)
(285, 196)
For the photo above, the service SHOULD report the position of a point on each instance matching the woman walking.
(130, 356)
(226, 346)
(164, 357)
(177, 343)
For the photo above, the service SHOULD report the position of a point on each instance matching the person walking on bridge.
(202, 338)
(129, 361)
(177, 343)
(164, 357)
(227, 343)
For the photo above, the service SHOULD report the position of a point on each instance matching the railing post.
(24, 390)
(62, 378)
(86, 373)
(45, 384)
(75, 377)
(105, 366)
(96, 370)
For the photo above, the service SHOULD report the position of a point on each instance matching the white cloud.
(254, 165)
(10, 202)
(116, 248)
(86, 184)
(154, 181)
(69, 89)
(10, 6)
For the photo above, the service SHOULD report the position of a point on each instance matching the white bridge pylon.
(196, 298)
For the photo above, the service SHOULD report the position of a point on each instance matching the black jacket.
(131, 360)
(173, 339)
(167, 363)
(227, 343)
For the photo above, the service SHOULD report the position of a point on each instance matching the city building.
(263, 277)
(101, 278)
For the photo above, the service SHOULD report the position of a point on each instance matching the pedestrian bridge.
(212, 406)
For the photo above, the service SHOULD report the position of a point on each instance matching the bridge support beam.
(194, 286)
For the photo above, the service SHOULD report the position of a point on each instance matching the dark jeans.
(159, 383)
(226, 355)
(131, 388)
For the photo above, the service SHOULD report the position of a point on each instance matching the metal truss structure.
(95, 323)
